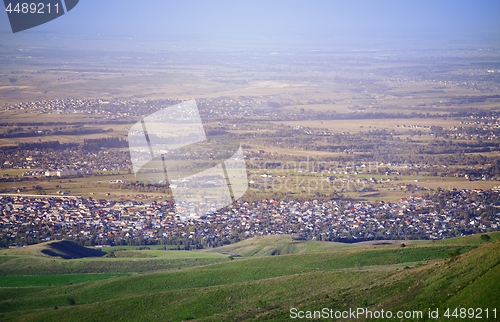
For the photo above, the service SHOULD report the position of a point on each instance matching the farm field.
(390, 124)
(438, 123)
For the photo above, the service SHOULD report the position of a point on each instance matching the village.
(28, 220)
(315, 171)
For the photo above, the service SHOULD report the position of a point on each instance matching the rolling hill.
(421, 276)
(62, 249)
(276, 245)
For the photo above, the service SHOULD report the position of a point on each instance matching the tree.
(485, 237)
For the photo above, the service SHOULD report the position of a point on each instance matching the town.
(349, 165)
(29, 220)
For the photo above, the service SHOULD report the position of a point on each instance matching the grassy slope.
(62, 249)
(52, 280)
(264, 288)
(33, 260)
(276, 245)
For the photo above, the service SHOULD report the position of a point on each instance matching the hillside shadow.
(68, 250)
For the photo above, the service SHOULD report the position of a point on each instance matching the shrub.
(485, 237)
(454, 253)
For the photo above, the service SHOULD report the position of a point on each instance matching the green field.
(276, 245)
(53, 280)
(307, 275)
(150, 247)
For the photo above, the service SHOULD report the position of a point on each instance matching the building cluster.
(485, 128)
(68, 162)
(118, 108)
(26, 220)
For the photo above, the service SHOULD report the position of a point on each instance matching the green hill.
(276, 245)
(68, 250)
(264, 288)
(63, 249)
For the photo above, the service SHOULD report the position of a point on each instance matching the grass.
(469, 240)
(53, 280)
(151, 247)
(265, 288)
(14, 172)
(36, 260)
(68, 250)
(276, 245)
(35, 266)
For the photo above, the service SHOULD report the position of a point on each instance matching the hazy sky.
(275, 20)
